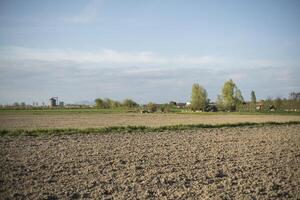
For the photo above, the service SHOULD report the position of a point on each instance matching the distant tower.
(61, 104)
(53, 101)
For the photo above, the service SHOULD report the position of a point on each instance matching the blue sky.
(146, 50)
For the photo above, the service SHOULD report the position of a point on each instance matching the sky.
(149, 51)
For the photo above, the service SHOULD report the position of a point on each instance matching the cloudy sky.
(148, 50)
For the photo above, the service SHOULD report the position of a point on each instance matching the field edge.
(133, 129)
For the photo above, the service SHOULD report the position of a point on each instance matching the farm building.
(53, 101)
(212, 107)
(295, 96)
(180, 105)
(61, 104)
(259, 106)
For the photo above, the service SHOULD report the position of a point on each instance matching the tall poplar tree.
(198, 98)
(253, 97)
(230, 97)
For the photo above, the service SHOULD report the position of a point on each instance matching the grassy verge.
(132, 129)
(239, 113)
(58, 111)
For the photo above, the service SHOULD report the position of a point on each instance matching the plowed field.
(224, 163)
(30, 121)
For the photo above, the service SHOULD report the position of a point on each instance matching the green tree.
(100, 103)
(238, 97)
(109, 102)
(152, 107)
(220, 103)
(165, 108)
(278, 103)
(116, 104)
(230, 98)
(228, 95)
(253, 97)
(130, 103)
(198, 98)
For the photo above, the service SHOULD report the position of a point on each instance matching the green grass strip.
(132, 129)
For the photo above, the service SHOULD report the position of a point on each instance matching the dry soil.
(25, 121)
(226, 163)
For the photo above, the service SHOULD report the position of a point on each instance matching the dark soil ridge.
(134, 129)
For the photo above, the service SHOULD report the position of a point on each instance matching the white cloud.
(115, 74)
(194, 60)
(104, 56)
(142, 58)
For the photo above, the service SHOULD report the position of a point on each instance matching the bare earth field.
(225, 163)
(30, 121)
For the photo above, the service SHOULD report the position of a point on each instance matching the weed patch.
(132, 129)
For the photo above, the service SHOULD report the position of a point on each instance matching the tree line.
(231, 99)
(109, 103)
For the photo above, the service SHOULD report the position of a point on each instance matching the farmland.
(220, 163)
(149, 100)
(234, 156)
(91, 118)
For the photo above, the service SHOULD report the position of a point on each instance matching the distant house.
(212, 107)
(180, 105)
(295, 96)
(272, 108)
(259, 106)
(172, 103)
